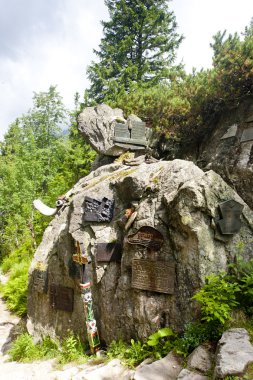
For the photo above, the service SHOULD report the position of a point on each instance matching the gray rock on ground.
(200, 359)
(167, 368)
(185, 374)
(111, 371)
(234, 353)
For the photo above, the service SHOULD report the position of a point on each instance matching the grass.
(70, 350)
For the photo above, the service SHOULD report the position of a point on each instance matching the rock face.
(234, 353)
(228, 150)
(151, 285)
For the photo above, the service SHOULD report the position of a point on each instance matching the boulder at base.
(173, 243)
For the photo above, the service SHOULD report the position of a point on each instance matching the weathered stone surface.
(112, 371)
(200, 359)
(185, 374)
(234, 353)
(176, 198)
(167, 368)
(231, 157)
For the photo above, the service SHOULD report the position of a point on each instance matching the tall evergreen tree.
(138, 46)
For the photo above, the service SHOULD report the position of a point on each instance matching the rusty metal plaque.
(148, 237)
(247, 135)
(156, 276)
(40, 280)
(98, 211)
(61, 297)
(107, 252)
(230, 212)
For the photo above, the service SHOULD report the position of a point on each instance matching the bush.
(217, 298)
(15, 290)
(24, 350)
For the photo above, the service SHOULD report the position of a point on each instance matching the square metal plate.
(156, 276)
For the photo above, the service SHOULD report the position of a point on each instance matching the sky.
(51, 42)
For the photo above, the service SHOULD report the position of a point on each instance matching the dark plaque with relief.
(147, 236)
(61, 297)
(156, 276)
(230, 212)
(107, 252)
(98, 211)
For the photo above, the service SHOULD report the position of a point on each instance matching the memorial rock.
(109, 133)
(143, 286)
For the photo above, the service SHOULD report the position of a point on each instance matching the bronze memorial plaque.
(61, 297)
(40, 281)
(98, 211)
(230, 212)
(156, 276)
(107, 252)
(147, 236)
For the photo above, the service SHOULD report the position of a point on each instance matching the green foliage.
(196, 333)
(25, 350)
(16, 265)
(15, 290)
(138, 46)
(217, 298)
(71, 350)
(37, 161)
(130, 354)
(161, 342)
(241, 272)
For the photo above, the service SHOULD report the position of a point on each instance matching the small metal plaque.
(134, 134)
(98, 211)
(107, 252)
(61, 297)
(231, 132)
(147, 236)
(156, 276)
(230, 212)
(247, 135)
(40, 281)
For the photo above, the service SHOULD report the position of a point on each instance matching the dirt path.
(40, 370)
(45, 370)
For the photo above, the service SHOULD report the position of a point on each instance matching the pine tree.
(138, 46)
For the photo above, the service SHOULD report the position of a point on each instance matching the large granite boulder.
(110, 134)
(171, 208)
